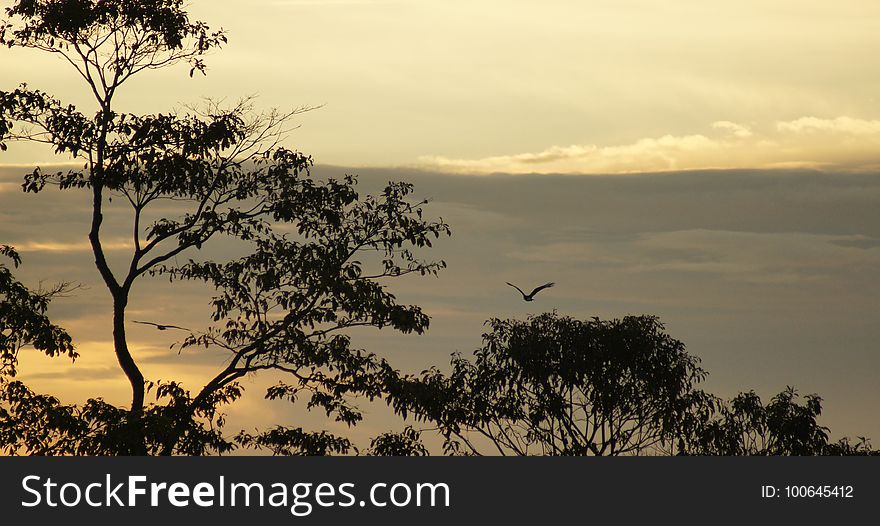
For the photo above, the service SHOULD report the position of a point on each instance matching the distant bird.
(531, 296)
(161, 327)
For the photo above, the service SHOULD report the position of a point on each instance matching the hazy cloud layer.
(325, 3)
(842, 143)
(840, 125)
(771, 277)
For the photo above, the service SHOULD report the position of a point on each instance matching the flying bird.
(531, 296)
(161, 327)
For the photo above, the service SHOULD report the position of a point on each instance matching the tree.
(23, 323)
(286, 302)
(554, 385)
(38, 424)
(23, 320)
(407, 443)
(746, 426)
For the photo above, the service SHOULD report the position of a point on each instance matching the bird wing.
(542, 287)
(517, 288)
(160, 326)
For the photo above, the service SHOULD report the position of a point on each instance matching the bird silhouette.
(531, 296)
(161, 327)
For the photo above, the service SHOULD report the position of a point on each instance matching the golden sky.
(552, 86)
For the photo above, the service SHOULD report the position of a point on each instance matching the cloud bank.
(770, 276)
(807, 142)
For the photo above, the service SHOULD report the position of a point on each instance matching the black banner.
(304, 490)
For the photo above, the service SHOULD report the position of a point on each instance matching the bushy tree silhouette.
(407, 443)
(746, 426)
(554, 385)
(23, 320)
(285, 303)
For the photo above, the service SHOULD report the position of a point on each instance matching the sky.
(713, 163)
(525, 86)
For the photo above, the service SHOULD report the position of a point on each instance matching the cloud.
(840, 125)
(79, 374)
(661, 153)
(863, 242)
(748, 257)
(806, 142)
(737, 130)
(66, 247)
(327, 3)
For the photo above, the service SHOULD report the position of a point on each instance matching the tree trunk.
(136, 435)
(134, 375)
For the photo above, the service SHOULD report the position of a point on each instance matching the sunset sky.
(714, 163)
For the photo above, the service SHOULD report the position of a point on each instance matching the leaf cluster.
(554, 385)
(23, 319)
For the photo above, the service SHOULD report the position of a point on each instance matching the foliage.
(110, 36)
(23, 319)
(315, 255)
(746, 426)
(298, 442)
(554, 385)
(407, 443)
(37, 424)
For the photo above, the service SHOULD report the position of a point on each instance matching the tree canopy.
(555, 385)
(315, 254)
(747, 426)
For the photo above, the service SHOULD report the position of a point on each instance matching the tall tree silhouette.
(285, 303)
